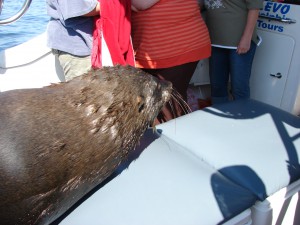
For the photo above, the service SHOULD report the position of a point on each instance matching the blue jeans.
(225, 63)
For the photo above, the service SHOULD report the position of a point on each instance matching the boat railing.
(17, 15)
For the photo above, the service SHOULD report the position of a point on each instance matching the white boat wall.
(276, 68)
(29, 65)
(232, 164)
(275, 75)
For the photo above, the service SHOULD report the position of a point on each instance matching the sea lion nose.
(166, 87)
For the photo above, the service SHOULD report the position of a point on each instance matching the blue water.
(31, 24)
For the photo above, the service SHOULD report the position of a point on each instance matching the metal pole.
(17, 15)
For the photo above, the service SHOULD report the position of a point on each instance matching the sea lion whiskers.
(181, 102)
(175, 107)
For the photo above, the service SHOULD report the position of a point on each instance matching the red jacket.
(114, 25)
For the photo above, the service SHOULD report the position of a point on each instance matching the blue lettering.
(280, 29)
(268, 6)
(285, 9)
(268, 26)
(276, 7)
(259, 22)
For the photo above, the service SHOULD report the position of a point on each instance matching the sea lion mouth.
(161, 96)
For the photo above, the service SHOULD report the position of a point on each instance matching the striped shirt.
(170, 33)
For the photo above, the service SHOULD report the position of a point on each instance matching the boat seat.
(221, 165)
(251, 143)
(164, 184)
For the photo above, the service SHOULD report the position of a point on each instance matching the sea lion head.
(58, 142)
(133, 99)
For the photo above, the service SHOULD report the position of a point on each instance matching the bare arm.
(138, 5)
(245, 41)
(95, 11)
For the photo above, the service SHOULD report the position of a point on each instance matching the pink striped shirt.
(170, 33)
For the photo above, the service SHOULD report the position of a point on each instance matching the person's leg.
(219, 74)
(73, 66)
(180, 77)
(240, 71)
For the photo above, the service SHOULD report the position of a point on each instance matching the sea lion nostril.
(167, 90)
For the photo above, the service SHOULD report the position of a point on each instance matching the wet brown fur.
(60, 141)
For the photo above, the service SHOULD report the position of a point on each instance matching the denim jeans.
(224, 65)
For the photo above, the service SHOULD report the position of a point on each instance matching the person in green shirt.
(232, 28)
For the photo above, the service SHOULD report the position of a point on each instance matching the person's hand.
(245, 41)
(244, 45)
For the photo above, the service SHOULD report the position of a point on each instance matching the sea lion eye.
(141, 107)
(140, 101)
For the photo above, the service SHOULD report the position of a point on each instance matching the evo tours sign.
(274, 11)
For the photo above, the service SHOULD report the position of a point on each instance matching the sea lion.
(60, 141)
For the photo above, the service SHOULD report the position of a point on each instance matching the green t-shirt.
(226, 20)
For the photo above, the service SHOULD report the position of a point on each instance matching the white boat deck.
(232, 164)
